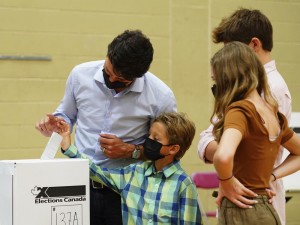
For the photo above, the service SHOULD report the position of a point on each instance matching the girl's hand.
(236, 192)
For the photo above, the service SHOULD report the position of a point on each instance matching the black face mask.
(213, 89)
(112, 85)
(152, 149)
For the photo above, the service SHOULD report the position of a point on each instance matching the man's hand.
(48, 124)
(114, 148)
(235, 191)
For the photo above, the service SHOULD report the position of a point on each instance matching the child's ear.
(174, 149)
(255, 44)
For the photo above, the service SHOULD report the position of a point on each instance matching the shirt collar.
(270, 66)
(167, 171)
(136, 86)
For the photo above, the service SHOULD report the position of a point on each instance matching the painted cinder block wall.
(71, 33)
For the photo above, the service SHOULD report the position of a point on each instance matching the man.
(117, 99)
(254, 29)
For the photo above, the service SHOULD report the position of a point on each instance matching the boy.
(157, 190)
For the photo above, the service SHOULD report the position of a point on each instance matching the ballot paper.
(52, 146)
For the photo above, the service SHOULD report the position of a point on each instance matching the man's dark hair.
(243, 25)
(131, 54)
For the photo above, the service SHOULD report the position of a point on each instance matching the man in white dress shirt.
(112, 102)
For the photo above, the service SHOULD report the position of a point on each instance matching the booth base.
(48, 192)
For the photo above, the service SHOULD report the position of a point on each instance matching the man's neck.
(264, 56)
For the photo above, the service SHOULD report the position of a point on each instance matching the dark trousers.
(105, 207)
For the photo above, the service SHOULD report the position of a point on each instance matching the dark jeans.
(105, 207)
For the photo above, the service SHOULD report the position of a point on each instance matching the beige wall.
(79, 31)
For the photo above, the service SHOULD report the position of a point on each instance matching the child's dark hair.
(243, 25)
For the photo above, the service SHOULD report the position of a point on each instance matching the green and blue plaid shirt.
(150, 197)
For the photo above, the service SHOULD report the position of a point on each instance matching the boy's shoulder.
(176, 170)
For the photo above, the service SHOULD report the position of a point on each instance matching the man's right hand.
(48, 124)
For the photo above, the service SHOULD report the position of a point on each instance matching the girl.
(250, 131)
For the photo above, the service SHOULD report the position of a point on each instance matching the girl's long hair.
(237, 72)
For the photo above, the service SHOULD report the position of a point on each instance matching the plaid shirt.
(150, 197)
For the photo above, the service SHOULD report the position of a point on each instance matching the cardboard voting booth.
(44, 192)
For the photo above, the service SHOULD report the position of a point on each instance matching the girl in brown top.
(249, 130)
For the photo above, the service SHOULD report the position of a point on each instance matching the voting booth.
(44, 192)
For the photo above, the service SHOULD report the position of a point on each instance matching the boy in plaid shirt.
(156, 190)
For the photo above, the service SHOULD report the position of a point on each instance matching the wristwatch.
(136, 152)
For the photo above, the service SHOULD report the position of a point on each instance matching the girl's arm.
(292, 163)
(229, 186)
(223, 158)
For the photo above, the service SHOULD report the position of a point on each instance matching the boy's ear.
(255, 44)
(174, 149)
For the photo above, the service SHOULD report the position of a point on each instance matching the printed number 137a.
(66, 215)
(66, 218)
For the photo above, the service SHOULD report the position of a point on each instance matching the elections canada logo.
(59, 194)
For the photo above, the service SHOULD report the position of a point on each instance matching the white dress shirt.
(94, 108)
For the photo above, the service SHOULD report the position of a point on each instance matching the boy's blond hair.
(180, 130)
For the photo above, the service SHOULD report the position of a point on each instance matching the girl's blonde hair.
(237, 71)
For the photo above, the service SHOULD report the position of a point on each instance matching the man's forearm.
(210, 150)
